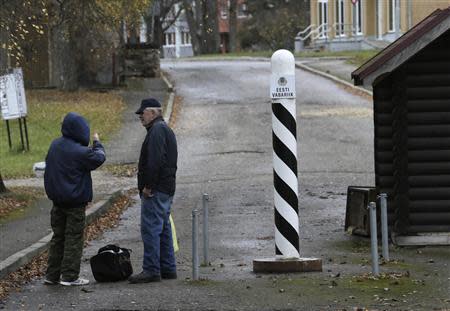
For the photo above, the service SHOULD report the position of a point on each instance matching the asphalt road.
(225, 149)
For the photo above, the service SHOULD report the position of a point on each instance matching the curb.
(214, 59)
(334, 79)
(167, 82)
(15, 261)
(169, 104)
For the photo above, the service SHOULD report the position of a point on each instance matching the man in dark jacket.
(156, 182)
(68, 184)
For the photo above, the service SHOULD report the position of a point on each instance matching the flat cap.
(148, 103)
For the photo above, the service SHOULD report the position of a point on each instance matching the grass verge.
(356, 58)
(46, 109)
(17, 198)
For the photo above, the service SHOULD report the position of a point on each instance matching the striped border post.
(284, 138)
(284, 135)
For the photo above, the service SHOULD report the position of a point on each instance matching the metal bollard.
(384, 226)
(205, 198)
(194, 245)
(373, 238)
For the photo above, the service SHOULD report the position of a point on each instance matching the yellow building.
(362, 24)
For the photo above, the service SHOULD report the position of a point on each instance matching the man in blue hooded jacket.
(68, 184)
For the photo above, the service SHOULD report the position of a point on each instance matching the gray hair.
(158, 111)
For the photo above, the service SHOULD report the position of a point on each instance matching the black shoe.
(169, 275)
(144, 277)
(50, 282)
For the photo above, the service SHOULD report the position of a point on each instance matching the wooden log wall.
(412, 140)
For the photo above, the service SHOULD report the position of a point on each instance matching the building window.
(357, 17)
(170, 38)
(242, 10)
(323, 18)
(340, 18)
(185, 38)
(224, 9)
(392, 15)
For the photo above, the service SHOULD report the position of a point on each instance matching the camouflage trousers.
(66, 246)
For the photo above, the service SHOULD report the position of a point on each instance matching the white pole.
(194, 245)
(177, 34)
(410, 14)
(397, 19)
(205, 198)
(380, 19)
(374, 238)
(284, 136)
(384, 226)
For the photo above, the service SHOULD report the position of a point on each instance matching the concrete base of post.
(274, 265)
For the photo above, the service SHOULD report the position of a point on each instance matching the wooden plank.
(432, 193)
(428, 155)
(428, 105)
(428, 67)
(421, 239)
(429, 218)
(425, 143)
(442, 130)
(428, 168)
(419, 118)
(431, 206)
(272, 265)
(440, 180)
(428, 80)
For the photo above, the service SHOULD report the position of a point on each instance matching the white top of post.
(283, 63)
(282, 82)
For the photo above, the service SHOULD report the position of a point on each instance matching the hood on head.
(76, 127)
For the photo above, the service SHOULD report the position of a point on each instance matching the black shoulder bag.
(112, 263)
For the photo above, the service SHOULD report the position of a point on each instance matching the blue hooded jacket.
(69, 163)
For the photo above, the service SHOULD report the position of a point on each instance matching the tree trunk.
(212, 26)
(64, 66)
(233, 25)
(158, 35)
(149, 22)
(193, 29)
(3, 51)
(2, 184)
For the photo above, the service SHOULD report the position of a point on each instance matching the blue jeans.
(156, 234)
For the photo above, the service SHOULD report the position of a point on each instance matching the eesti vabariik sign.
(282, 87)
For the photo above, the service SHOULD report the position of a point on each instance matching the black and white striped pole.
(284, 139)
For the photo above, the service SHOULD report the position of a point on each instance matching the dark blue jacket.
(158, 160)
(69, 163)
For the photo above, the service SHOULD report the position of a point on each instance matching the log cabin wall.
(412, 140)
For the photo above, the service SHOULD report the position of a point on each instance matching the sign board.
(12, 95)
(282, 87)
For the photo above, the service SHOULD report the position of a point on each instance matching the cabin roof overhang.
(401, 50)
